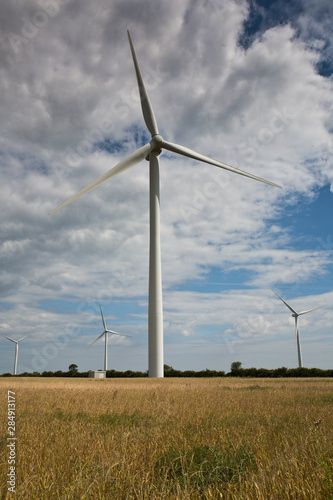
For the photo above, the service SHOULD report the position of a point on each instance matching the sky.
(246, 82)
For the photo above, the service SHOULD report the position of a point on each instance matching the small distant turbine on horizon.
(151, 152)
(16, 349)
(106, 332)
(295, 315)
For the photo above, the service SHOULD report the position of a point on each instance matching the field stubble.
(170, 438)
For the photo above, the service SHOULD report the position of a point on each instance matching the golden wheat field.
(168, 438)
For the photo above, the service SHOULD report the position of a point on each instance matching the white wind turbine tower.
(106, 332)
(16, 349)
(151, 152)
(295, 315)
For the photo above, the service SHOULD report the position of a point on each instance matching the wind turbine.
(106, 332)
(295, 315)
(151, 152)
(16, 349)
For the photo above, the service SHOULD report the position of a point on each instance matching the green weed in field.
(202, 466)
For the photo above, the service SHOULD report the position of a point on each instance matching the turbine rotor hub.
(156, 143)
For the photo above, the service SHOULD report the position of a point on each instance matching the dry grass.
(171, 438)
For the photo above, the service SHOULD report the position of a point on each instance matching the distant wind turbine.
(16, 349)
(151, 152)
(295, 315)
(106, 332)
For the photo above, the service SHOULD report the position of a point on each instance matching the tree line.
(236, 370)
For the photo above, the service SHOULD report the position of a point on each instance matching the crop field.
(219, 438)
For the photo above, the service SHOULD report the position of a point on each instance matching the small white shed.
(97, 374)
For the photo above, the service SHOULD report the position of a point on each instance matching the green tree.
(72, 369)
(235, 367)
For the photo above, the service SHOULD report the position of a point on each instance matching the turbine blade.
(123, 165)
(289, 307)
(9, 339)
(175, 148)
(101, 335)
(116, 333)
(309, 310)
(147, 110)
(103, 319)
(23, 338)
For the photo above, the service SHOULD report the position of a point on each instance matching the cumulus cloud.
(70, 111)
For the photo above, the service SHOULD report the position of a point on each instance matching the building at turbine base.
(97, 374)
